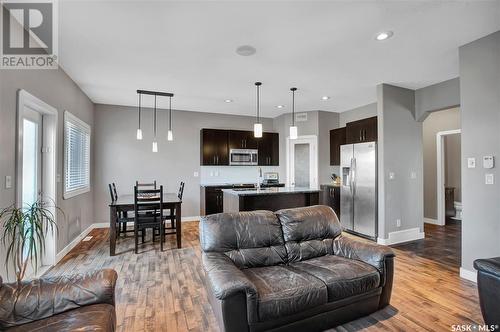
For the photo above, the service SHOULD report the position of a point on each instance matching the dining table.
(125, 203)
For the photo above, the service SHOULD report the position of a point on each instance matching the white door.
(302, 162)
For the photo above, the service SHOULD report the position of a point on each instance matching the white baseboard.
(405, 235)
(192, 218)
(469, 275)
(432, 221)
(75, 241)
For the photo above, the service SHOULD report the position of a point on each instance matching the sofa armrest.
(370, 253)
(488, 265)
(225, 278)
(44, 297)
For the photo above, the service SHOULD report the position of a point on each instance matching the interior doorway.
(302, 161)
(36, 164)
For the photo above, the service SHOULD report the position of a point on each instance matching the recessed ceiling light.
(228, 100)
(246, 50)
(325, 98)
(280, 106)
(384, 35)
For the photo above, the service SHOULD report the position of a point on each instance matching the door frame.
(440, 173)
(312, 140)
(49, 164)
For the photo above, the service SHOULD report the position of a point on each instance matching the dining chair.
(171, 215)
(149, 201)
(151, 185)
(123, 217)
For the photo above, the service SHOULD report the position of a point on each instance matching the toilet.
(458, 210)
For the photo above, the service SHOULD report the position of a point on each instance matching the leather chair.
(290, 270)
(66, 303)
(488, 283)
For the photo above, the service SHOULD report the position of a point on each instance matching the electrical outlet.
(392, 175)
(398, 222)
(8, 182)
(489, 179)
(471, 162)
(195, 174)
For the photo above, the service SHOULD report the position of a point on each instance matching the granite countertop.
(270, 191)
(332, 184)
(226, 184)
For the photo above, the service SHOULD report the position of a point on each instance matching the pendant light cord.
(170, 113)
(155, 118)
(293, 105)
(140, 97)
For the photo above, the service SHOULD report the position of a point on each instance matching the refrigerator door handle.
(353, 177)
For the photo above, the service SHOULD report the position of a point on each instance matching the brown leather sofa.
(67, 303)
(290, 270)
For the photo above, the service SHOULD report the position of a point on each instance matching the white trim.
(431, 221)
(312, 140)
(405, 235)
(469, 275)
(49, 161)
(190, 218)
(440, 182)
(73, 243)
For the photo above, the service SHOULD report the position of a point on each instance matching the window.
(76, 156)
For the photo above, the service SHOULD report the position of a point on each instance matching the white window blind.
(76, 156)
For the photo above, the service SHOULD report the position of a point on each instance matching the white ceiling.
(112, 48)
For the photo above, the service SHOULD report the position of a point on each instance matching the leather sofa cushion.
(97, 317)
(309, 231)
(343, 277)
(249, 239)
(284, 291)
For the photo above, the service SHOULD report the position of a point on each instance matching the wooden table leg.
(178, 231)
(112, 230)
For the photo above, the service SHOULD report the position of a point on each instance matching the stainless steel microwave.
(243, 157)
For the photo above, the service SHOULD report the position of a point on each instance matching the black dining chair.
(123, 217)
(151, 185)
(148, 208)
(171, 215)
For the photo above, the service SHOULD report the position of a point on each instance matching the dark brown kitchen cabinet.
(269, 149)
(364, 130)
(337, 138)
(214, 147)
(330, 196)
(241, 139)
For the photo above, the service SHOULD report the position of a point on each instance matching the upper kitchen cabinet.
(269, 150)
(214, 147)
(337, 138)
(362, 131)
(241, 139)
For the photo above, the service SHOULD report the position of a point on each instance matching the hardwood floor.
(163, 291)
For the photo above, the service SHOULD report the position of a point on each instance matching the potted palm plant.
(23, 234)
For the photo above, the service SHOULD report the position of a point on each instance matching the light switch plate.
(488, 162)
(8, 182)
(392, 175)
(413, 175)
(471, 162)
(195, 174)
(489, 179)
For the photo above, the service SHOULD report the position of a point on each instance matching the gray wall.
(58, 90)
(437, 97)
(120, 158)
(399, 151)
(480, 106)
(434, 123)
(358, 113)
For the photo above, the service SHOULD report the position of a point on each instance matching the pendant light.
(139, 130)
(257, 127)
(155, 144)
(170, 135)
(293, 127)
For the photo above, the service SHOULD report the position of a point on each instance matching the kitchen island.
(272, 199)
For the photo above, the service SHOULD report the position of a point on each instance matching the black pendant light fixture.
(170, 135)
(139, 130)
(155, 143)
(293, 128)
(257, 127)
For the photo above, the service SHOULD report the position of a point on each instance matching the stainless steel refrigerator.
(358, 193)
